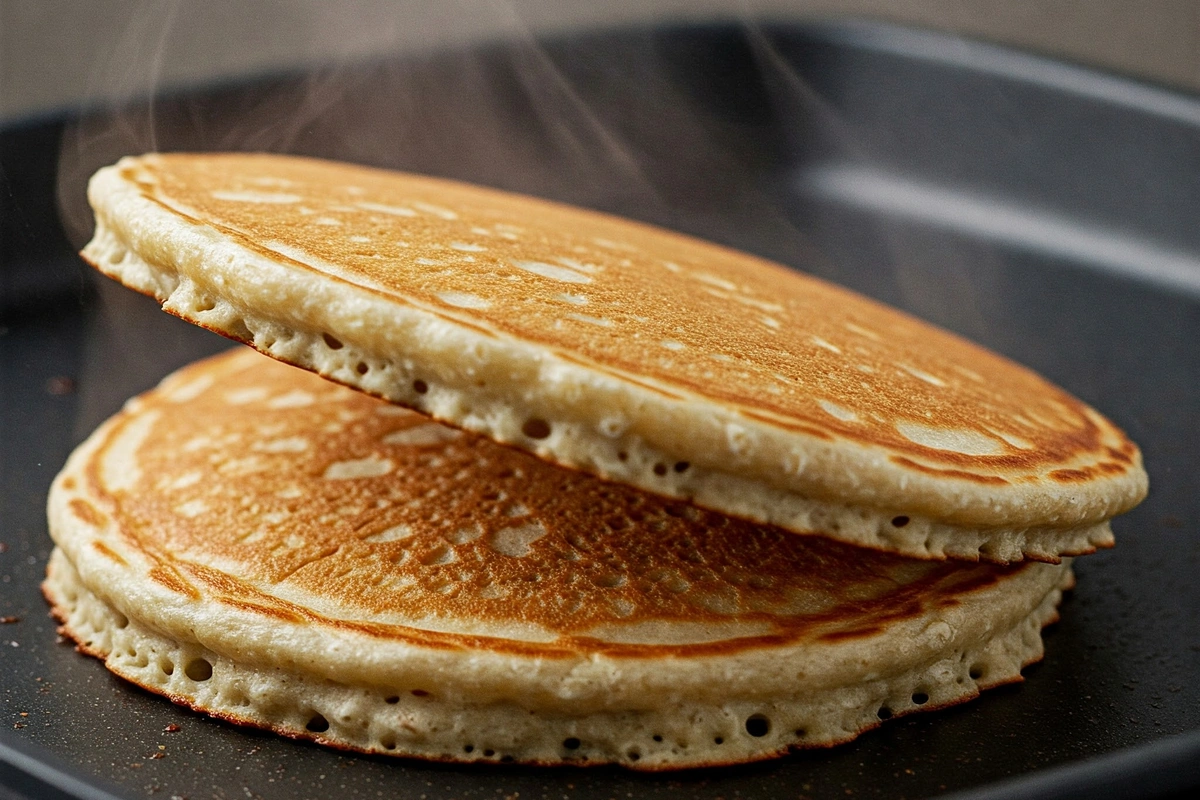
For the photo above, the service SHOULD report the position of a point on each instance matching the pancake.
(276, 550)
(633, 353)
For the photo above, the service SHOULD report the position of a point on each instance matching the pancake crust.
(658, 360)
(277, 550)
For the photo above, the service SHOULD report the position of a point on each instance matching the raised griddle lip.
(26, 773)
(1163, 768)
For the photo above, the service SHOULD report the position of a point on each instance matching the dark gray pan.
(1047, 211)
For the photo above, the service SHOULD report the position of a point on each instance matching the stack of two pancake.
(694, 508)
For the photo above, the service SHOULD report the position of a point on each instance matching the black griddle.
(1047, 211)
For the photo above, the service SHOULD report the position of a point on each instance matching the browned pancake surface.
(252, 479)
(663, 309)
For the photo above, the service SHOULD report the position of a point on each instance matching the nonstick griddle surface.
(859, 153)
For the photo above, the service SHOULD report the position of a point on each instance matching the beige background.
(57, 53)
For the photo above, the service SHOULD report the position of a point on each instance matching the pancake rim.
(137, 653)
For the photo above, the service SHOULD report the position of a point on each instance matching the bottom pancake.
(258, 544)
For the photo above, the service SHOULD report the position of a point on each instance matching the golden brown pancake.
(277, 550)
(630, 352)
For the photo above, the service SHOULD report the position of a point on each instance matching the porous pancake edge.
(533, 379)
(944, 518)
(398, 721)
(576, 677)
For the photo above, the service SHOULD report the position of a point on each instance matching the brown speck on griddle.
(172, 728)
(9, 620)
(18, 725)
(60, 385)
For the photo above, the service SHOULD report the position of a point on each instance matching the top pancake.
(638, 354)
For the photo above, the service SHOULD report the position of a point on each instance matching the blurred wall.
(59, 53)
